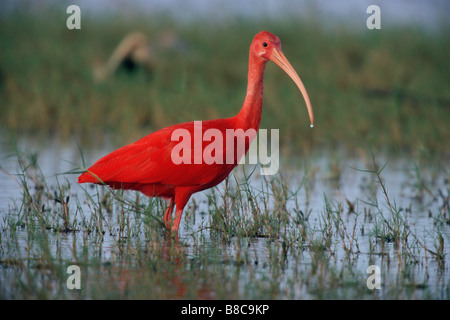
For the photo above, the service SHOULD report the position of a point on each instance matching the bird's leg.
(177, 220)
(168, 215)
(181, 198)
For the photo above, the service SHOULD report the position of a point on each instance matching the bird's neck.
(250, 114)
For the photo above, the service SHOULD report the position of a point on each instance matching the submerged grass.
(387, 89)
(244, 241)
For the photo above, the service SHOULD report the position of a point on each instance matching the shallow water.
(323, 178)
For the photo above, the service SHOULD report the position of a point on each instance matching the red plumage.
(147, 165)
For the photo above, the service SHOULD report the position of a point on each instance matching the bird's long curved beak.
(279, 58)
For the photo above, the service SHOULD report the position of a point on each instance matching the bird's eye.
(264, 44)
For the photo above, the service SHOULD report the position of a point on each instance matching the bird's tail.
(89, 177)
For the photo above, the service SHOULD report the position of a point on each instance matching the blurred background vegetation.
(384, 89)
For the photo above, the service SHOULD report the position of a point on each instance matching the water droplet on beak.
(311, 125)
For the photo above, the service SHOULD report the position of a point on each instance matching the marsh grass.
(385, 89)
(255, 242)
(252, 237)
(394, 227)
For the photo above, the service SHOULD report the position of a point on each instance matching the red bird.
(148, 164)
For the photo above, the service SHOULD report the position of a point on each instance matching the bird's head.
(264, 44)
(267, 46)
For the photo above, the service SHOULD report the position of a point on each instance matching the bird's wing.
(149, 161)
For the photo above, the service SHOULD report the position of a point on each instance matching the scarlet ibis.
(147, 164)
